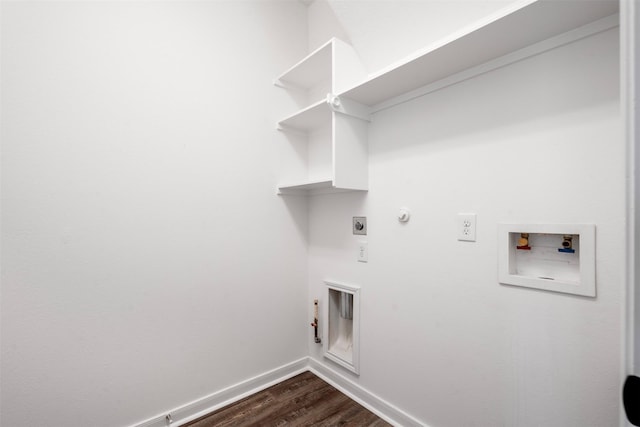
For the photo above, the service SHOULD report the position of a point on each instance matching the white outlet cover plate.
(466, 226)
(363, 252)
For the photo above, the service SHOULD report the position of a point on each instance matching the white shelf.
(331, 143)
(527, 24)
(313, 69)
(314, 116)
(305, 186)
(518, 27)
(312, 187)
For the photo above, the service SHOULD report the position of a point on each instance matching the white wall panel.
(146, 262)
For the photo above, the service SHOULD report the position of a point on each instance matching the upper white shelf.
(526, 23)
(313, 69)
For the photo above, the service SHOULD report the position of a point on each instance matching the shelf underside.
(533, 23)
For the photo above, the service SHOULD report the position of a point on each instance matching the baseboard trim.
(364, 397)
(198, 408)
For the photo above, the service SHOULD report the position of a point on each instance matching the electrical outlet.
(467, 227)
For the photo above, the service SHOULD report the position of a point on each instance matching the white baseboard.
(364, 397)
(196, 409)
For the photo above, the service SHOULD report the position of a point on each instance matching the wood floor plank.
(294, 408)
(332, 402)
(304, 400)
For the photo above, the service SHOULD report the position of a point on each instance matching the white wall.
(537, 141)
(146, 261)
(323, 24)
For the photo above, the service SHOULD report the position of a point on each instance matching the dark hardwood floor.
(304, 400)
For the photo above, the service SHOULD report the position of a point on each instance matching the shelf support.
(349, 107)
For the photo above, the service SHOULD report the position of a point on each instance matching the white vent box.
(342, 331)
(551, 257)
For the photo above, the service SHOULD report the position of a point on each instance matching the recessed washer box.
(552, 257)
(342, 325)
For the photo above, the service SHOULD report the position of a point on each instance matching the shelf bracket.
(348, 107)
